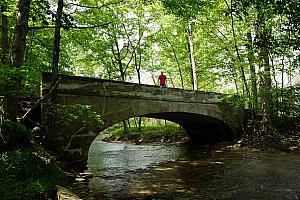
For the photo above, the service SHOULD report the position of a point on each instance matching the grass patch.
(28, 174)
(148, 134)
(170, 129)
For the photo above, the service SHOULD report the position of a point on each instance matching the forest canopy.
(249, 48)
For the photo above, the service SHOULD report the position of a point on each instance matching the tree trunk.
(282, 84)
(122, 71)
(275, 105)
(252, 72)
(125, 127)
(56, 48)
(171, 82)
(119, 61)
(17, 53)
(138, 66)
(254, 87)
(263, 52)
(8, 135)
(192, 58)
(140, 124)
(266, 87)
(4, 34)
(153, 78)
(122, 76)
(177, 62)
(237, 49)
(5, 48)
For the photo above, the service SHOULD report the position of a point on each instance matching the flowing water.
(126, 171)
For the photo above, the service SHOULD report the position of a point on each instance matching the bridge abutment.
(70, 134)
(72, 144)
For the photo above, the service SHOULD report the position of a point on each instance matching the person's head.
(162, 73)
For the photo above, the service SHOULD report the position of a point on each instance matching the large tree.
(13, 83)
(17, 58)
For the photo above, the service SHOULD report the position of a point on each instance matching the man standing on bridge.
(162, 80)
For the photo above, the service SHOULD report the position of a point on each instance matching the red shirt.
(162, 79)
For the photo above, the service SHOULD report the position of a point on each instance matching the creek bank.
(150, 138)
(284, 138)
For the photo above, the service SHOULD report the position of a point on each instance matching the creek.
(127, 171)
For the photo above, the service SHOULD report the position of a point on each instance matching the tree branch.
(86, 27)
(113, 62)
(71, 27)
(41, 100)
(95, 7)
(236, 47)
(126, 67)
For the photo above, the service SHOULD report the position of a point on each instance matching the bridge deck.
(75, 85)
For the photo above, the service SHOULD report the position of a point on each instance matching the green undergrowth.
(148, 134)
(29, 173)
(171, 129)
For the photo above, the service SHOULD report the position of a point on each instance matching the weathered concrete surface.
(204, 115)
(71, 141)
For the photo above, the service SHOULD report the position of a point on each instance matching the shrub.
(66, 114)
(25, 175)
(14, 134)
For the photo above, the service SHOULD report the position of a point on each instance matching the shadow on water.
(125, 171)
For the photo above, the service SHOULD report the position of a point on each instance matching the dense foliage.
(68, 114)
(25, 174)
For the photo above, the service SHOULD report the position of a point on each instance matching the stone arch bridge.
(205, 116)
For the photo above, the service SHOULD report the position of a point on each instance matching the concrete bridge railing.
(204, 116)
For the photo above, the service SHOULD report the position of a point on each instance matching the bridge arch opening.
(201, 129)
(124, 154)
(146, 130)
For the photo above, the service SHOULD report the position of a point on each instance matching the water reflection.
(124, 171)
(119, 158)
